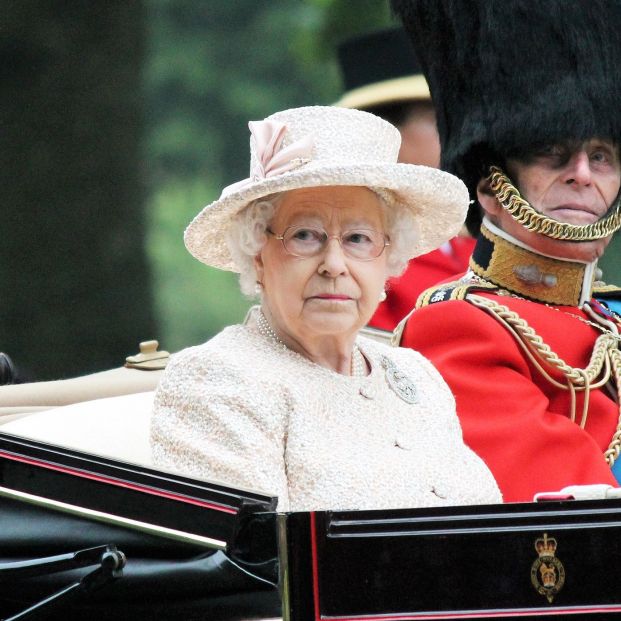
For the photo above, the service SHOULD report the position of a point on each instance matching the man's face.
(420, 143)
(573, 183)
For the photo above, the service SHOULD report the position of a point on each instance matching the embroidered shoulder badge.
(451, 291)
(602, 290)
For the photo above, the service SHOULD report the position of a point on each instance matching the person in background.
(295, 403)
(527, 97)
(382, 75)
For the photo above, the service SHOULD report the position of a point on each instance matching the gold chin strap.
(522, 212)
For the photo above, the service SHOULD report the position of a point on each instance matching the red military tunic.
(514, 418)
(421, 273)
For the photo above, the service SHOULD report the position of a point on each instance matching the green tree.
(74, 282)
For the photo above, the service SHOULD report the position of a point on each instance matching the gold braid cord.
(614, 448)
(605, 363)
(522, 212)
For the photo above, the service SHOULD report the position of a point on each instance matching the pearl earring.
(382, 296)
(258, 288)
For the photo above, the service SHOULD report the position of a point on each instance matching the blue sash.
(613, 305)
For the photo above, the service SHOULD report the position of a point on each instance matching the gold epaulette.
(456, 290)
(602, 290)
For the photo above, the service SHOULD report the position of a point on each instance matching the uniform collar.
(512, 265)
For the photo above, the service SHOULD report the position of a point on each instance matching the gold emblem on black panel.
(547, 573)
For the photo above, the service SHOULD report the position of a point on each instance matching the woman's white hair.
(246, 235)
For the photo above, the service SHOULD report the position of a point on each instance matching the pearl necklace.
(358, 362)
(266, 330)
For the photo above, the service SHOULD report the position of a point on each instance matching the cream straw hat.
(326, 146)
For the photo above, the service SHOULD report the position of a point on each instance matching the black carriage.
(88, 537)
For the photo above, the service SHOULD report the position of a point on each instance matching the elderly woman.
(295, 403)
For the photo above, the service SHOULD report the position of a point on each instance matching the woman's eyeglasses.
(309, 241)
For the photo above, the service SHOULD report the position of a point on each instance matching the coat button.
(367, 392)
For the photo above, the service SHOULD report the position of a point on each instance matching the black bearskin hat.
(509, 75)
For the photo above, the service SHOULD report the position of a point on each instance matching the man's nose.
(578, 169)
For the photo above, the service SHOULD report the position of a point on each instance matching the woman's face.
(330, 293)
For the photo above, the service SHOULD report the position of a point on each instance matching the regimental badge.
(438, 296)
(399, 382)
(547, 573)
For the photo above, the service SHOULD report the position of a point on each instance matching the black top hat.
(380, 68)
(509, 75)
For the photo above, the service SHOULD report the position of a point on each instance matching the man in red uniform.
(382, 75)
(527, 101)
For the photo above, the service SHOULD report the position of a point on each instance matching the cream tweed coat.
(243, 410)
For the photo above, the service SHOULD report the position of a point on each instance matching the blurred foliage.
(610, 263)
(192, 297)
(342, 19)
(212, 67)
(74, 277)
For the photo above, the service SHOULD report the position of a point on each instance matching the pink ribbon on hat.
(271, 158)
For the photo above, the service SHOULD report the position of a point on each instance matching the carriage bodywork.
(197, 550)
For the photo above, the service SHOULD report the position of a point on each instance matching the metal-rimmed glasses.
(309, 241)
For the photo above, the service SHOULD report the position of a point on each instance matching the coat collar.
(508, 263)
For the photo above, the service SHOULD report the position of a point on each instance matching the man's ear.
(487, 199)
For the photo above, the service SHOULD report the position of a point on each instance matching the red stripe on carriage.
(483, 614)
(120, 483)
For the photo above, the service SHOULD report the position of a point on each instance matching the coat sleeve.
(212, 421)
(504, 413)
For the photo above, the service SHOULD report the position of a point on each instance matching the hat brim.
(437, 201)
(409, 88)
